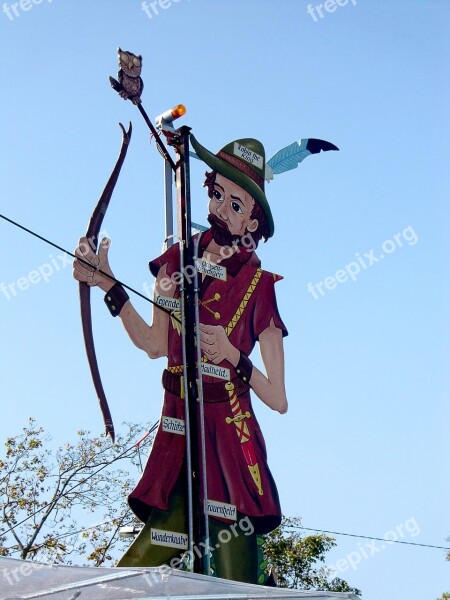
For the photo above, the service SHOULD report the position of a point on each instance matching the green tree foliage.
(299, 562)
(46, 498)
(446, 595)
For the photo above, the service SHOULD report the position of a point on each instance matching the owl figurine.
(130, 84)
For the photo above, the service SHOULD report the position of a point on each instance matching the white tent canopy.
(23, 579)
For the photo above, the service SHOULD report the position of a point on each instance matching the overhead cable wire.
(368, 537)
(69, 534)
(87, 263)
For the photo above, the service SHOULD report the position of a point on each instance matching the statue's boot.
(235, 549)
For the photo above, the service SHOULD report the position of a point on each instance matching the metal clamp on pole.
(164, 123)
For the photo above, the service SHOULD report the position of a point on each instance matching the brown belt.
(212, 392)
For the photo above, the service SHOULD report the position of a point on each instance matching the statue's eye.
(136, 61)
(124, 57)
(237, 208)
(217, 195)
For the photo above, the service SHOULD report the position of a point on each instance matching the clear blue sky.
(364, 447)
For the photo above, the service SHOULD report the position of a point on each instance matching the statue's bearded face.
(230, 209)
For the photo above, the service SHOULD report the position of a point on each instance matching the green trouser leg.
(142, 553)
(235, 551)
(234, 548)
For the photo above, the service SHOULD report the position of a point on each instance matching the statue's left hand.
(216, 346)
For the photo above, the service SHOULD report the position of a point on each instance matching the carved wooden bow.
(93, 230)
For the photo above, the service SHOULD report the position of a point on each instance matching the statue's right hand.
(87, 270)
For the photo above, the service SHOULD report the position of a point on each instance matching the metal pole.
(188, 297)
(202, 459)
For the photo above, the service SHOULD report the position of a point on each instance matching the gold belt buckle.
(182, 387)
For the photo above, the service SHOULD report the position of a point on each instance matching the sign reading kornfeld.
(221, 509)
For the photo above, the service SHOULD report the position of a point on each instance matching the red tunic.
(245, 304)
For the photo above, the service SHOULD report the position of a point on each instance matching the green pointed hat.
(243, 162)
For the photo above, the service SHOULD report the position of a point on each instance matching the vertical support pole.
(206, 555)
(188, 297)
